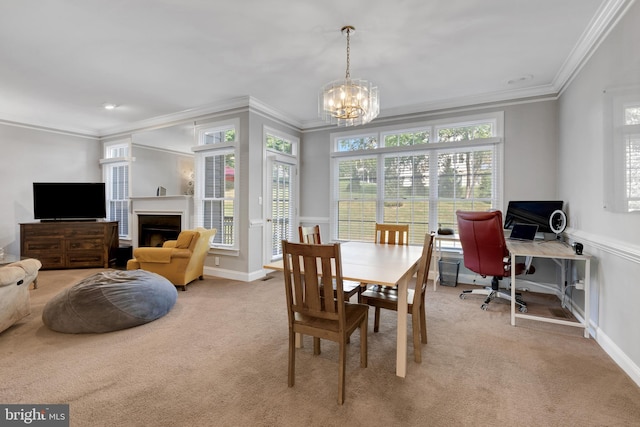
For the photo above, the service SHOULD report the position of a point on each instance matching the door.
(280, 205)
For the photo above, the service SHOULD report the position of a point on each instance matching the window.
(216, 181)
(416, 175)
(116, 165)
(632, 156)
(622, 150)
(279, 144)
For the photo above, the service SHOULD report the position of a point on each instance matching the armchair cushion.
(158, 255)
(184, 239)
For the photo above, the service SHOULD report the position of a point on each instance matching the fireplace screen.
(154, 230)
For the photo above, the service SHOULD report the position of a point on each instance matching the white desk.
(560, 253)
(388, 265)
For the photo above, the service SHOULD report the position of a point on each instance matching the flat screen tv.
(69, 200)
(532, 212)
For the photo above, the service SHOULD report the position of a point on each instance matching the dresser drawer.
(42, 244)
(84, 259)
(49, 261)
(84, 244)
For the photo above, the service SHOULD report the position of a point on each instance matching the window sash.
(215, 195)
(116, 167)
(410, 179)
(118, 203)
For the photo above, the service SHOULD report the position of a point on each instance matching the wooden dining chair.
(308, 271)
(388, 234)
(387, 298)
(311, 235)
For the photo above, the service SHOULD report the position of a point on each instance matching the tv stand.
(70, 244)
(68, 220)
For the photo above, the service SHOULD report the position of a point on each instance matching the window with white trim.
(216, 161)
(622, 149)
(115, 169)
(417, 175)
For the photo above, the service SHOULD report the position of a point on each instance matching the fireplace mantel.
(162, 205)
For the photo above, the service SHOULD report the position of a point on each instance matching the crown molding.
(223, 107)
(178, 117)
(473, 100)
(602, 23)
(77, 132)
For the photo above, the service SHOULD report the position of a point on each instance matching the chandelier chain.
(348, 75)
(349, 102)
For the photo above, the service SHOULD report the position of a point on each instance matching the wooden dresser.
(70, 244)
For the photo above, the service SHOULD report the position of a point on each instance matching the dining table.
(380, 264)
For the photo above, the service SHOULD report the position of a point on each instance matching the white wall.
(153, 168)
(613, 238)
(30, 155)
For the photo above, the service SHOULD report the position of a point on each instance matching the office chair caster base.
(485, 307)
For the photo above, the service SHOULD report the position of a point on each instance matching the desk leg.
(513, 290)
(401, 346)
(587, 299)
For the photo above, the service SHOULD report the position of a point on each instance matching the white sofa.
(15, 279)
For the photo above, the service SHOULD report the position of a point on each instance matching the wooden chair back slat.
(392, 234)
(310, 235)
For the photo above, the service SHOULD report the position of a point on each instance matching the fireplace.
(154, 230)
(158, 219)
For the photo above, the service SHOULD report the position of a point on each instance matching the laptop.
(524, 232)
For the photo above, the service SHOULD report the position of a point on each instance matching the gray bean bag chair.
(110, 301)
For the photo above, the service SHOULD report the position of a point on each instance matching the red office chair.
(485, 252)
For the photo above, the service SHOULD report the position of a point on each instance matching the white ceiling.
(60, 60)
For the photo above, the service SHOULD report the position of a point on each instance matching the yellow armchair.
(181, 261)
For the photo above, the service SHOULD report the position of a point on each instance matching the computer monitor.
(532, 212)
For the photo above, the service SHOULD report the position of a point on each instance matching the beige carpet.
(219, 358)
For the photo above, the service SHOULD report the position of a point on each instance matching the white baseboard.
(234, 275)
(618, 356)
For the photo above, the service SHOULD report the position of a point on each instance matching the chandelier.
(348, 102)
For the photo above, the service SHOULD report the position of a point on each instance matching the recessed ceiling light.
(521, 79)
(109, 106)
